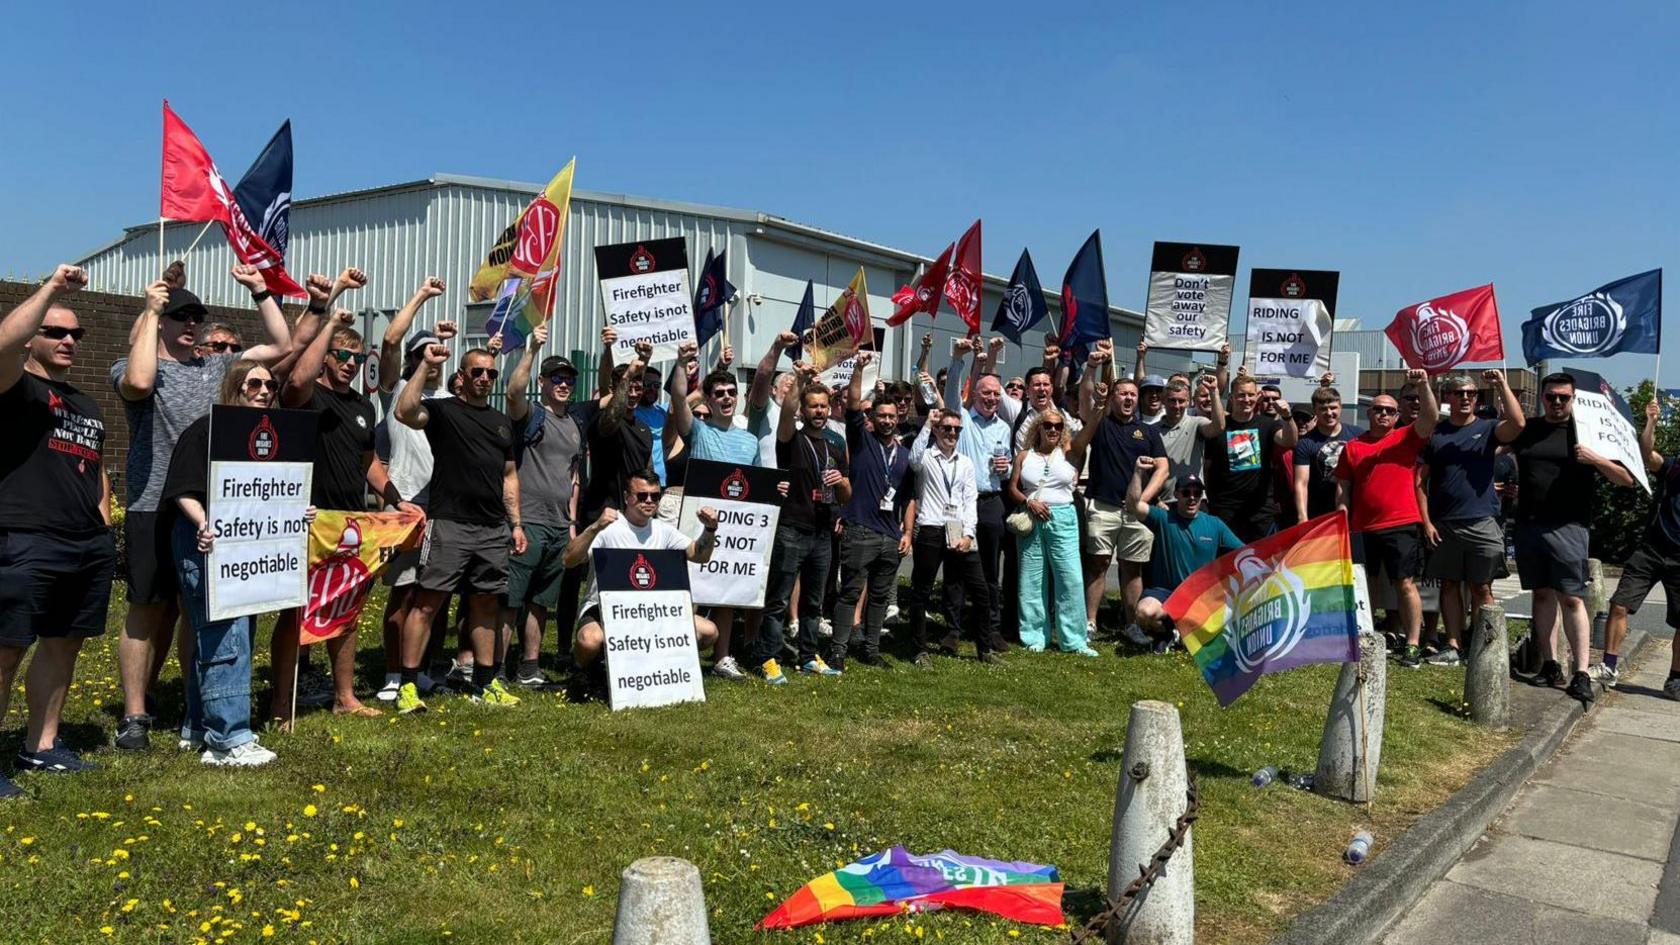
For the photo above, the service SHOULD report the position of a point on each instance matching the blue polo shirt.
(876, 467)
(1185, 545)
(734, 445)
(1114, 454)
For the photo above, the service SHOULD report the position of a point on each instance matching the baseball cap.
(181, 302)
(418, 341)
(555, 363)
(1190, 480)
(1153, 380)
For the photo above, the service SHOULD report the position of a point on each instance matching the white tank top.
(1049, 479)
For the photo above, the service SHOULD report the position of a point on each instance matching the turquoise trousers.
(1052, 584)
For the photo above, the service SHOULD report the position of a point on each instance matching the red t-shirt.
(1380, 473)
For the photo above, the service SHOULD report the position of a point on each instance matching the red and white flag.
(962, 285)
(1442, 333)
(194, 190)
(924, 296)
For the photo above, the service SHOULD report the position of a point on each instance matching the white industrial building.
(442, 226)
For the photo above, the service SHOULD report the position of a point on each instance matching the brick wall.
(107, 319)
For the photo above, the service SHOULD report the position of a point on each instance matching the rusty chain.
(1147, 874)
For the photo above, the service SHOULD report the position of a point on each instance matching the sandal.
(360, 712)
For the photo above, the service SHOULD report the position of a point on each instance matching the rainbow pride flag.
(896, 881)
(1284, 601)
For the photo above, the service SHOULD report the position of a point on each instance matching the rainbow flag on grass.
(1285, 601)
(896, 881)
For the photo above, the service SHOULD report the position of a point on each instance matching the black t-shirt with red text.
(51, 459)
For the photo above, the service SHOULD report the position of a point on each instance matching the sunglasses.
(254, 384)
(1384, 410)
(648, 496)
(1559, 398)
(478, 372)
(1411, 398)
(348, 356)
(59, 332)
(1051, 426)
(224, 347)
(1463, 393)
(724, 393)
(1191, 493)
(559, 379)
(190, 316)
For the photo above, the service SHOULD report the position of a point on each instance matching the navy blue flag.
(711, 291)
(1022, 305)
(803, 321)
(1623, 316)
(265, 192)
(1084, 301)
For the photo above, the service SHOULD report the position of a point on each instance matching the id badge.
(887, 499)
(953, 527)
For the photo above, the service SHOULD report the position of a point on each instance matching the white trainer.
(248, 755)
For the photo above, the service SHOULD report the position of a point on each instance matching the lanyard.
(886, 463)
(951, 480)
(818, 464)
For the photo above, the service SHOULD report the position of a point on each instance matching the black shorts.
(465, 559)
(1396, 552)
(53, 586)
(1648, 565)
(151, 561)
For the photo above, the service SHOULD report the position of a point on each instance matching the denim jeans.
(801, 555)
(219, 685)
(868, 559)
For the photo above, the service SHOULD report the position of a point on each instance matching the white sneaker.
(248, 755)
(388, 692)
(892, 614)
(825, 628)
(1604, 673)
(727, 668)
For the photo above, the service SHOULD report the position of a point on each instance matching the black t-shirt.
(51, 459)
(613, 456)
(471, 447)
(1320, 452)
(1240, 470)
(1552, 488)
(1114, 453)
(805, 457)
(1664, 529)
(189, 468)
(343, 437)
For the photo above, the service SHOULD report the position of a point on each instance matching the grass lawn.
(474, 824)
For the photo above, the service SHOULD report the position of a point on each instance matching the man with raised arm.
(473, 519)
(1657, 559)
(1244, 457)
(165, 385)
(56, 554)
(988, 440)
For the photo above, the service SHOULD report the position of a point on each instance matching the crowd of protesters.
(1022, 494)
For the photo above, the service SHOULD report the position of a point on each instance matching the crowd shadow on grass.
(80, 736)
(1455, 709)
(1081, 903)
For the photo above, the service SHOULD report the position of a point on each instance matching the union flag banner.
(844, 326)
(1442, 333)
(962, 282)
(530, 246)
(347, 551)
(925, 295)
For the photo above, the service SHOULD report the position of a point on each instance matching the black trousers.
(962, 569)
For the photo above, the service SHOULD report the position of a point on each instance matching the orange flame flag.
(347, 550)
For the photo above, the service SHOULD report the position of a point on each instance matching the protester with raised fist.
(165, 385)
(945, 517)
(1657, 559)
(619, 442)
(56, 555)
(1242, 463)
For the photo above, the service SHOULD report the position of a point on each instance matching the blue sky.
(1419, 148)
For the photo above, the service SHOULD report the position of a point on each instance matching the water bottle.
(827, 490)
(1360, 848)
(926, 390)
(1265, 776)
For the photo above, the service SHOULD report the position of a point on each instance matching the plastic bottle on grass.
(1360, 848)
(1265, 776)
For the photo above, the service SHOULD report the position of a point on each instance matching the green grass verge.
(473, 824)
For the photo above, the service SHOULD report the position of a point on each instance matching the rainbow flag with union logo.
(897, 881)
(1284, 601)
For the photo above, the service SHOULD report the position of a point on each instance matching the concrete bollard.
(1354, 726)
(1487, 668)
(1150, 799)
(661, 902)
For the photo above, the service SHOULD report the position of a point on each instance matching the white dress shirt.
(946, 481)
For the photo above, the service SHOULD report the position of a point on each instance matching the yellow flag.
(844, 326)
(531, 243)
(347, 551)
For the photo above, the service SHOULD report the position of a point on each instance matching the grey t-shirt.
(547, 459)
(183, 392)
(1183, 442)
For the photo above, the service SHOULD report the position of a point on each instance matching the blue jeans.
(797, 555)
(219, 685)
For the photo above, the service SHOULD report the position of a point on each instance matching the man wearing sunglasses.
(220, 338)
(1376, 482)
(165, 385)
(56, 555)
(944, 517)
(1461, 515)
(547, 452)
(1556, 482)
(1187, 539)
(474, 517)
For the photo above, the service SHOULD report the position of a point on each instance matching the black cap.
(181, 302)
(1190, 480)
(555, 363)
(418, 342)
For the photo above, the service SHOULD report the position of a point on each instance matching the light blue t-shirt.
(733, 445)
(654, 417)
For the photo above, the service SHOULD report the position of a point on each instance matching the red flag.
(925, 295)
(962, 286)
(1441, 333)
(194, 190)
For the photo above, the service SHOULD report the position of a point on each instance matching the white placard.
(1285, 336)
(656, 307)
(739, 569)
(1187, 310)
(1600, 427)
(652, 656)
(259, 562)
(841, 373)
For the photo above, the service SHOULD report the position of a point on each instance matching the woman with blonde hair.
(1052, 584)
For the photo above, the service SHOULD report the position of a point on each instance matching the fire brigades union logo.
(1194, 261)
(1294, 287)
(337, 586)
(1018, 304)
(264, 444)
(642, 575)
(1268, 611)
(1590, 325)
(641, 260)
(1440, 336)
(734, 486)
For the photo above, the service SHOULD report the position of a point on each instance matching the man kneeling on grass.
(636, 527)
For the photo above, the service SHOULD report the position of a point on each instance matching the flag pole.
(194, 245)
(1364, 743)
(161, 264)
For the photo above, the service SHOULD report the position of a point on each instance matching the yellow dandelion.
(589, 890)
(309, 810)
